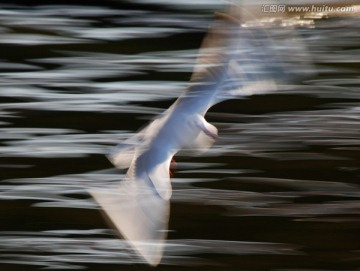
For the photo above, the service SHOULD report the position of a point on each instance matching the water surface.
(278, 191)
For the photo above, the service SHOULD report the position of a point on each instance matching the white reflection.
(200, 4)
(37, 39)
(55, 143)
(124, 32)
(72, 249)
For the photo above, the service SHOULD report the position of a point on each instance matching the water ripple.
(71, 249)
(78, 79)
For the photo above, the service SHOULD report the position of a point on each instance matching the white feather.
(232, 62)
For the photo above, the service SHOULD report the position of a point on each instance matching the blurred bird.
(233, 61)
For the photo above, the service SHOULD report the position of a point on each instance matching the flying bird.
(233, 61)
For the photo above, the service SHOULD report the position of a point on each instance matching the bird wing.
(238, 59)
(138, 215)
(211, 66)
(122, 155)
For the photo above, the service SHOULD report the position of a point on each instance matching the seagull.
(227, 67)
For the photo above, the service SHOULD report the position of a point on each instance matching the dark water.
(278, 191)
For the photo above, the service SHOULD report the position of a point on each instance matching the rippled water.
(278, 191)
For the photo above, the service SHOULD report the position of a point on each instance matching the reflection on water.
(278, 191)
(72, 252)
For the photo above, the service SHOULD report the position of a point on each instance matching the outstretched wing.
(210, 69)
(239, 59)
(139, 216)
(265, 57)
(139, 206)
(123, 154)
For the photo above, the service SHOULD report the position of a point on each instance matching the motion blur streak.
(279, 190)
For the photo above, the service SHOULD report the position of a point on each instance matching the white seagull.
(232, 61)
